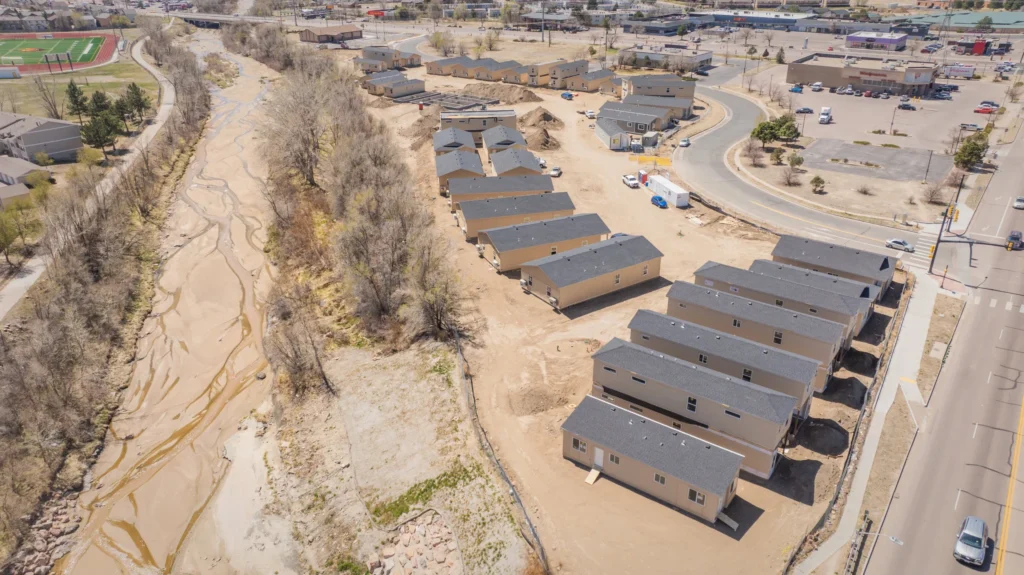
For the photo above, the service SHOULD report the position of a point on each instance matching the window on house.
(578, 445)
(636, 408)
(638, 380)
(613, 458)
(549, 290)
(732, 414)
(736, 323)
(747, 375)
(554, 250)
(682, 305)
(778, 302)
(659, 478)
(778, 338)
(696, 496)
(612, 370)
(617, 278)
(702, 358)
(645, 269)
(691, 404)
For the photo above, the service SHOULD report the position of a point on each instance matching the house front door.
(598, 458)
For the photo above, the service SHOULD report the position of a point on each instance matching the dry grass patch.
(945, 316)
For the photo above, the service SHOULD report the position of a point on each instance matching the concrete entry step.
(728, 521)
(592, 477)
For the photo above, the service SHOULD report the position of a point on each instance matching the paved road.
(966, 460)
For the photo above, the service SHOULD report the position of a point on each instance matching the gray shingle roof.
(609, 126)
(405, 82)
(461, 186)
(451, 138)
(848, 260)
(730, 347)
(519, 70)
(513, 158)
(544, 232)
(755, 311)
(657, 101)
(16, 167)
(650, 110)
(481, 63)
(384, 74)
(741, 396)
(596, 260)
(782, 289)
(497, 207)
(458, 160)
(493, 65)
(455, 60)
(502, 136)
(659, 80)
(625, 113)
(597, 75)
(386, 80)
(703, 465)
(841, 286)
(8, 192)
(568, 66)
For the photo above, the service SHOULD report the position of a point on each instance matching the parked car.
(590, 114)
(631, 181)
(970, 127)
(858, 93)
(832, 90)
(543, 163)
(567, 95)
(700, 71)
(989, 103)
(618, 235)
(898, 244)
(906, 106)
(942, 96)
(684, 143)
(804, 110)
(659, 201)
(971, 541)
(797, 89)
(1014, 239)
(884, 95)
(1018, 203)
(904, 98)
(984, 110)
(817, 87)
(555, 172)
(867, 93)
(876, 95)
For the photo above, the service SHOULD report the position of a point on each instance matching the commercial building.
(611, 134)
(668, 56)
(756, 19)
(477, 121)
(12, 194)
(864, 73)
(582, 274)
(457, 164)
(492, 213)
(729, 412)
(813, 337)
(965, 21)
(451, 139)
(680, 470)
(635, 119)
(823, 25)
(822, 281)
(659, 27)
(590, 82)
(782, 371)
(501, 138)
(888, 41)
(509, 247)
(678, 108)
(850, 263)
(668, 85)
(25, 136)
(470, 189)
(445, 66)
(540, 20)
(15, 170)
(560, 73)
(851, 312)
(331, 34)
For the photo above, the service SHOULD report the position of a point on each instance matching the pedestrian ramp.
(592, 477)
(728, 521)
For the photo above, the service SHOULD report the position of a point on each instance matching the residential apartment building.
(501, 138)
(492, 70)
(470, 189)
(813, 337)
(822, 281)
(590, 82)
(374, 76)
(659, 85)
(612, 88)
(404, 87)
(540, 74)
(445, 66)
(767, 366)
(611, 134)
(560, 73)
(508, 247)
(25, 136)
(582, 274)
(391, 57)
(515, 162)
(635, 119)
(749, 419)
(845, 262)
(520, 75)
(486, 214)
(477, 121)
(683, 471)
(457, 164)
(678, 108)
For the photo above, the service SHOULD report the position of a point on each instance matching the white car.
(543, 163)
(555, 172)
(590, 114)
(1018, 203)
(898, 244)
(631, 181)
(684, 143)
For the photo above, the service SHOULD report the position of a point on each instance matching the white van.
(826, 115)
(817, 87)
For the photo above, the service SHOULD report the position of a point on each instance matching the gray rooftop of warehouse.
(684, 376)
(862, 62)
(685, 457)
(743, 351)
(520, 236)
(496, 184)
(815, 279)
(458, 160)
(960, 19)
(512, 158)
(497, 207)
(595, 260)
(755, 311)
(832, 256)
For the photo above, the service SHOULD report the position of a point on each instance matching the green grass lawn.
(33, 51)
(112, 79)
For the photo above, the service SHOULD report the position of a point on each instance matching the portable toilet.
(642, 176)
(650, 139)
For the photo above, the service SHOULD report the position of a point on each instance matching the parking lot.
(903, 165)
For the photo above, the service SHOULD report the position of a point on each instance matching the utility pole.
(893, 121)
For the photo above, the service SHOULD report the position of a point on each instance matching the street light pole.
(893, 121)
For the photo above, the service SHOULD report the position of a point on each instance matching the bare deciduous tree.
(753, 151)
(51, 96)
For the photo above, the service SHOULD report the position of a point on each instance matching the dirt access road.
(162, 496)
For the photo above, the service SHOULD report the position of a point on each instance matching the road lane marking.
(1005, 210)
(957, 503)
(1009, 305)
(992, 303)
(1008, 507)
(975, 434)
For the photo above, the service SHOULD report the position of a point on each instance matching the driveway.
(901, 165)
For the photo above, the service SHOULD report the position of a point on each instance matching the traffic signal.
(956, 215)
(931, 251)
(949, 211)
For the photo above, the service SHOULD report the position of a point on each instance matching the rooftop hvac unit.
(480, 250)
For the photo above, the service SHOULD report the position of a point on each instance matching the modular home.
(370, 65)
(850, 263)
(515, 162)
(470, 189)
(365, 80)
(444, 67)
(331, 34)
(635, 119)
(508, 247)
(25, 136)
(612, 88)
(851, 312)
(378, 86)
(810, 336)
(501, 138)
(841, 286)
(582, 274)
(729, 412)
(611, 135)
(469, 67)
(15, 170)
(450, 140)
(591, 81)
(540, 74)
(678, 108)
(477, 121)
(391, 57)
(14, 193)
(493, 71)
(480, 215)
(520, 75)
(457, 164)
(685, 472)
(405, 87)
(759, 364)
(560, 73)
(659, 85)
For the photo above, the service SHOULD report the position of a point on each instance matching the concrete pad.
(901, 165)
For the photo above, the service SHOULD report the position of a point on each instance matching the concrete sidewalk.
(902, 374)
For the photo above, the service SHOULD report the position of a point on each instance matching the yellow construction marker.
(1008, 507)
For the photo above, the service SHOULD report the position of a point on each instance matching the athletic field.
(83, 49)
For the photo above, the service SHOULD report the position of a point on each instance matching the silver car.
(971, 541)
(1018, 203)
(898, 244)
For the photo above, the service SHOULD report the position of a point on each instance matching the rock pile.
(49, 539)
(423, 546)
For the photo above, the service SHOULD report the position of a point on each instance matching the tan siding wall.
(748, 428)
(454, 205)
(686, 91)
(594, 287)
(579, 84)
(514, 259)
(731, 368)
(404, 90)
(760, 333)
(476, 126)
(612, 89)
(443, 180)
(515, 78)
(641, 476)
(520, 171)
(837, 273)
(474, 227)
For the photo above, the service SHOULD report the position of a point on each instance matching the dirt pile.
(539, 117)
(423, 128)
(380, 103)
(540, 139)
(505, 93)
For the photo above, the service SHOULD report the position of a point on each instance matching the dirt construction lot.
(531, 366)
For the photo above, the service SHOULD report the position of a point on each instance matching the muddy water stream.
(195, 378)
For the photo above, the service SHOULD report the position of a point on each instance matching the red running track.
(105, 54)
